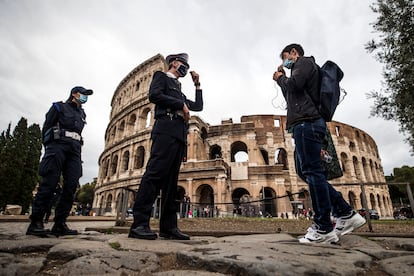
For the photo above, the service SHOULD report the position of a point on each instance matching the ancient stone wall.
(245, 167)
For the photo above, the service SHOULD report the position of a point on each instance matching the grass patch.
(115, 245)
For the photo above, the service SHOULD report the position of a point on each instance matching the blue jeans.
(308, 137)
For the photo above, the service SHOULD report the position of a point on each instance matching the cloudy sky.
(49, 46)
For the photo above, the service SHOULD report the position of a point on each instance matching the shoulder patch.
(57, 106)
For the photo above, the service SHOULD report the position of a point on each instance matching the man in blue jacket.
(169, 137)
(301, 92)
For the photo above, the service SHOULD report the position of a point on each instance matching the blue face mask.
(83, 98)
(288, 63)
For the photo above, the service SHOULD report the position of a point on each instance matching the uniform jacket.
(301, 91)
(165, 93)
(68, 116)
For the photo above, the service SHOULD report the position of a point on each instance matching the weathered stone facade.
(231, 163)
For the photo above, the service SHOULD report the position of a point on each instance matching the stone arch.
(108, 204)
(203, 134)
(352, 199)
(215, 152)
(352, 147)
(137, 85)
(373, 172)
(131, 122)
(344, 162)
(281, 158)
(269, 202)
(239, 196)
(105, 168)
(113, 133)
(205, 193)
(305, 197)
(114, 165)
(139, 157)
(125, 161)
(372, 201)
(265, 155)
(357, 170)
(145, 119)
(367, 173)
(121, 129)
(238, 148)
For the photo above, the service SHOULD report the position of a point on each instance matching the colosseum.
(242, 168)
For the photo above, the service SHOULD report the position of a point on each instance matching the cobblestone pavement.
(96, 253)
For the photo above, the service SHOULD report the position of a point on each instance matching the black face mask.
(182, 70)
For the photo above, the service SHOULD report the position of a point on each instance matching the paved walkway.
(96, 253)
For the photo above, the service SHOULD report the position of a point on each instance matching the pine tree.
(30, 176)
(19, 161)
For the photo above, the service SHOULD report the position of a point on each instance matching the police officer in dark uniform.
(169, 136)
(63, 141)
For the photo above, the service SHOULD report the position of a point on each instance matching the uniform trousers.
(59, 159)
(161, 174)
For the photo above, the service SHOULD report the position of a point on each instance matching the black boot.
(142, 232)
(36, 228)
(174, 234)
(61, 229)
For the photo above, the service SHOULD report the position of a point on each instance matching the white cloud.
(48, 47)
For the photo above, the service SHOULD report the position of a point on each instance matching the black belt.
(172, 115)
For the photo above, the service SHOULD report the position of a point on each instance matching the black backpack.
(330, 76)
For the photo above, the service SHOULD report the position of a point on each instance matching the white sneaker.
(345, 225)
(315, 236)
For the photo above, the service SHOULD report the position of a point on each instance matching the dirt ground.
(277, 225)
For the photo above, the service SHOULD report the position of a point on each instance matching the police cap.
(183, 57)
(81, 90)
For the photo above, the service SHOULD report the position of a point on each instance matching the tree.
(85, 193)
(19, 161)
(398, 193)
(395, 47)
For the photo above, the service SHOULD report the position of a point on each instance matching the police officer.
(63, 141)
(169, 136)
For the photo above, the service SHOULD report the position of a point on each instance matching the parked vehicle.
(373, 214)
(403, 213)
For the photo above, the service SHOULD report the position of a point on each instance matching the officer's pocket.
(48, 163)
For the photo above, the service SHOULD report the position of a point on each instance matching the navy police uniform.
(169, 136)
(62, 140)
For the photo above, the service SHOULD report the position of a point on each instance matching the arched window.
(215, 152)
(281, 158)
(125, 161)
(114, 164)
(239, 152)
(139, 158)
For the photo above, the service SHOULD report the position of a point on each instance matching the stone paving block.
(27, 245)
(13, 265)
(112, 262)
(247, 256)
(158, 246)
(187, 273)
(67, 251)
(403, 265)
(397, 243)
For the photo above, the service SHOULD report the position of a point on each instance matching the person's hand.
(196, 79)
(186, 112)
(280, 69)
(277, 75)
